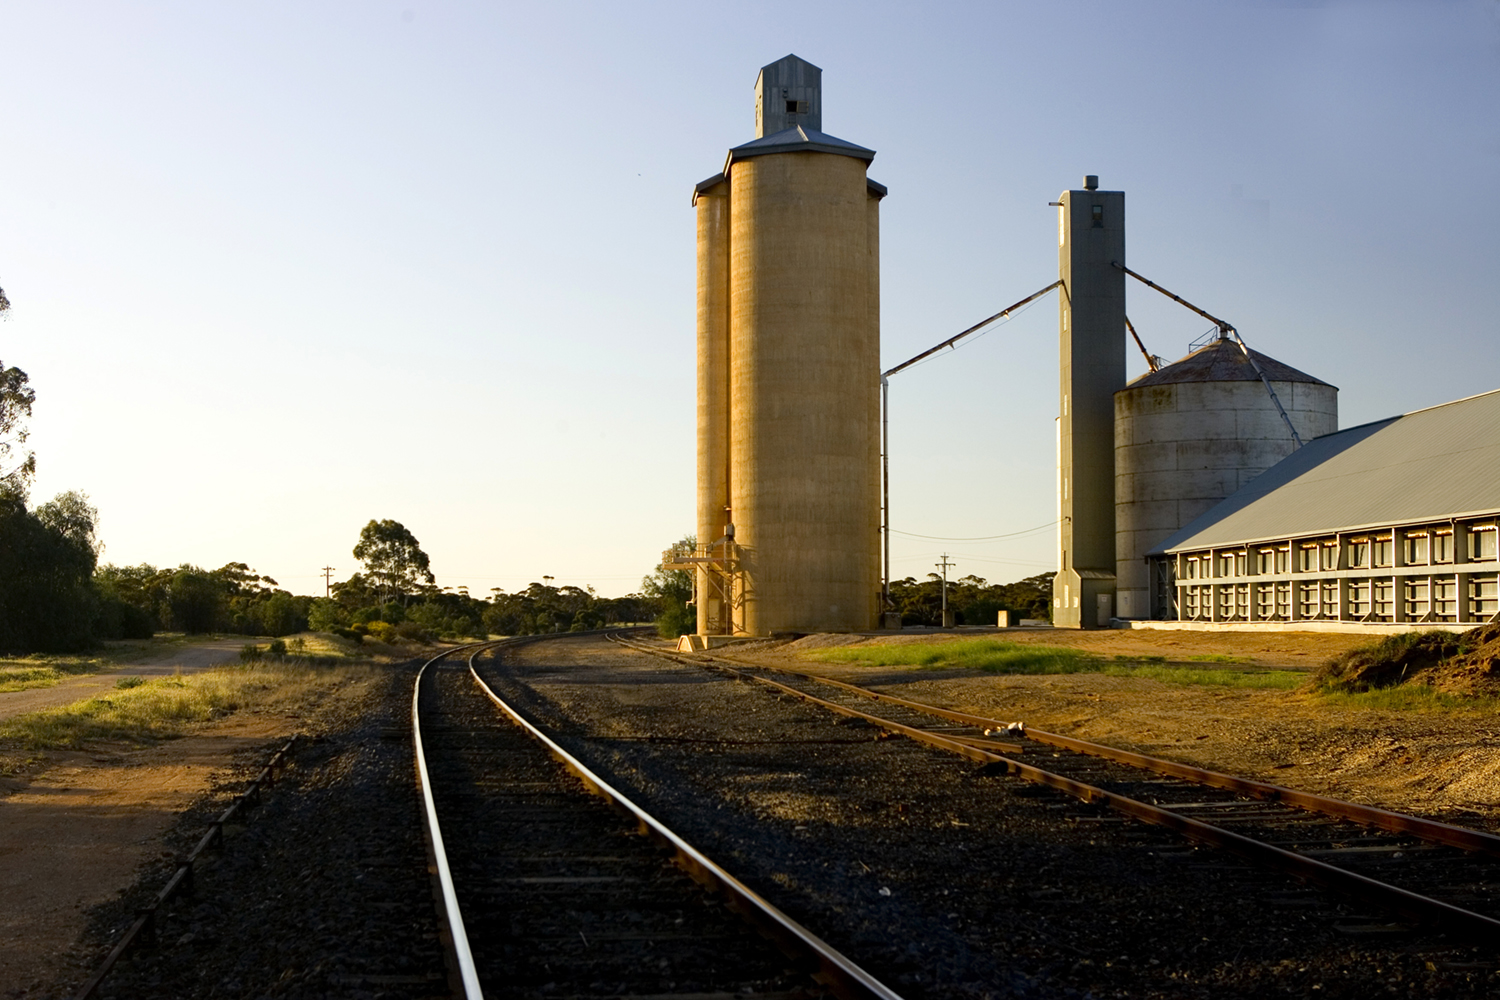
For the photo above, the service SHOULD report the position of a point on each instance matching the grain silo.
(788, 374)
(1192, 433)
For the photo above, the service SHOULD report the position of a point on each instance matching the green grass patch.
(21, 673)
(1000, 657)
(1218, 658)
(1409, 698)
(166, 707)
(991, 655)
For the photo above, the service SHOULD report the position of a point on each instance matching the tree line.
(974, 599)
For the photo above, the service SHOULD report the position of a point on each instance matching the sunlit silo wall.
(1192, 433)
(712, 207)
(804, 362)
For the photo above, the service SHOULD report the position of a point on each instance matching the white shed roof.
(1427, 465)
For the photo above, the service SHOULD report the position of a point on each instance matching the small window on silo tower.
(1098, 216)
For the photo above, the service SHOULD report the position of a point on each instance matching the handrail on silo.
(1226, 331)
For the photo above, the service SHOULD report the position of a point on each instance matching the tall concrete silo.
(1192, 433)
(1091, 357)
(789, 374)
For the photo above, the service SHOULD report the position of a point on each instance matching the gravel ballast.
(947, 879)
(323, 893)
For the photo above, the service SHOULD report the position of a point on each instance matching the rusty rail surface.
(842, 976)
(143, 931)
(1298, 865)
(1429, 830)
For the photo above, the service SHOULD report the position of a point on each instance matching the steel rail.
(1429, 830)
(458, 938)
(1298, 865)
(837, 972)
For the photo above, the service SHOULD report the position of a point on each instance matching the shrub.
(251, 652)
(277, 649)
(382, 631)
(126, 683)
(412, 631)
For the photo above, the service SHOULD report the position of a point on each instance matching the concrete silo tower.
(788, 374)
(1192, 433)
(1091, 357)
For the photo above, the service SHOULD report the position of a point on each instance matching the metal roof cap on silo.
(1223, 361)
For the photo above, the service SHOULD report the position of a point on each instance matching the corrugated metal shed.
(1428, 465)
(1222, 361)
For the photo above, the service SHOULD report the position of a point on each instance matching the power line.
(981, 538)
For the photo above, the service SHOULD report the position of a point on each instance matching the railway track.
(549, 887)
(1423, 870)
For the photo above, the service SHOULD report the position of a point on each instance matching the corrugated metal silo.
(1192, 433)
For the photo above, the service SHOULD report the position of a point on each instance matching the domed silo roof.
(1223, 361)
(1192, 433)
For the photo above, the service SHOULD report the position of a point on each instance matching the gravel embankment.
(949, 881)
(324, 893)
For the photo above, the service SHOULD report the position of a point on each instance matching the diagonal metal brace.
(1226, 331)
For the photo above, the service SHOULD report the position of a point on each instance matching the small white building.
(1383, 527)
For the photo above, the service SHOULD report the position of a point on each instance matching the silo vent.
(1091, 182)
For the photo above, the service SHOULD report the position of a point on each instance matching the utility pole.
(327, 581)
(945, 565)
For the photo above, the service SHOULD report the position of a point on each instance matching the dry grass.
(171, 706)
(41, 670)
(1000, 657)
(21, 673)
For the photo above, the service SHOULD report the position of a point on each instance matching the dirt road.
(196, 655)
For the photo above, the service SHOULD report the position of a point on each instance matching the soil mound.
(1476, 670)
(1456, 662)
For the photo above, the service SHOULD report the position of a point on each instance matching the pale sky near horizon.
(278, 269)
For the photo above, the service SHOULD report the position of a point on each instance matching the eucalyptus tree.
(393, 559)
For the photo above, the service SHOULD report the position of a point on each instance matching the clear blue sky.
(281, 268)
